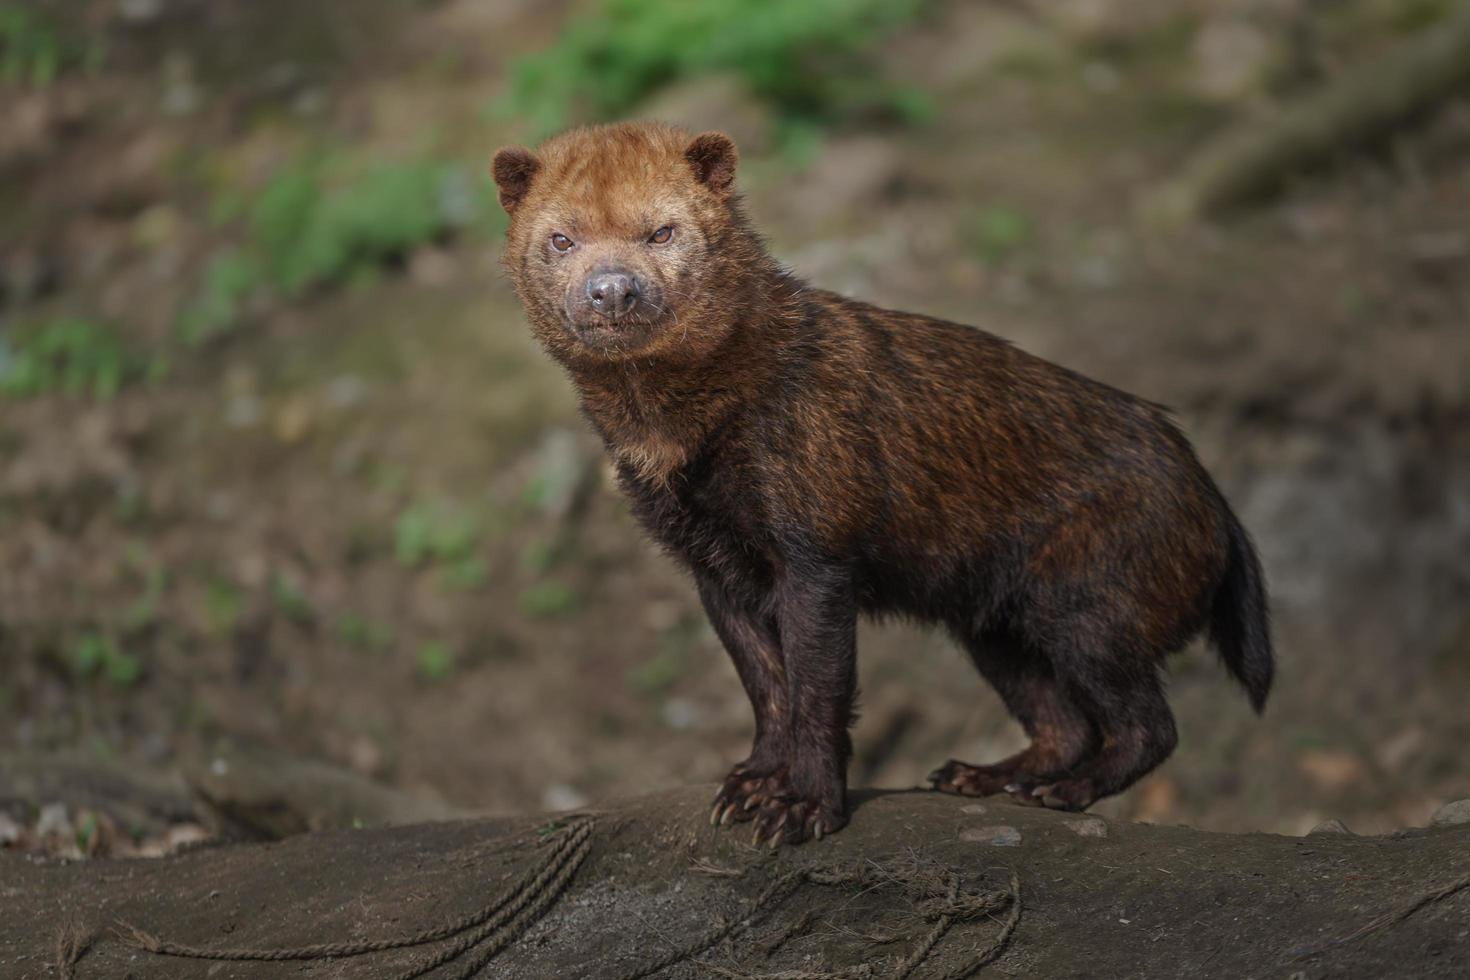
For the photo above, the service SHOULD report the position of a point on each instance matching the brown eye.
(662, 235)
(561, 242)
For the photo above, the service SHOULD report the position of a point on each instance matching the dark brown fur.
(810, 457)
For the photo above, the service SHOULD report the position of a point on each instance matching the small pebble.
(560, 796)
(978, 808)
(346, 391)
(1087, 827)
(1452, 814)
(53, 821)
(184, 834)
(139, 11)
(1333, 826)
(998, 836)
(681, 713)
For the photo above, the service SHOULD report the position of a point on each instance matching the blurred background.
(281, 470)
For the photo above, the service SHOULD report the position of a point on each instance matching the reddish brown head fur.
(646, 209)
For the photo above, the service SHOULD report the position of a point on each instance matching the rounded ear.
(513, 168)
(713, 157)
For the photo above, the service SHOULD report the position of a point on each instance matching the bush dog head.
(626, 241)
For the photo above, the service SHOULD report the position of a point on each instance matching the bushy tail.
(1240, 623)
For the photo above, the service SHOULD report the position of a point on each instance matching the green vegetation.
(558, 487)
(1037, 62)
(811, 60)
(539, 555)
(33, 52)
(662, 671)
(659, 673)
(441, 536)
(229, 280)
(364, 634)
(291, 599)
(1371, 18)
(548, 599)
(436, 661)
(86, 832)
(74, 357)
(998, 232)
(1165, 46)
(94, 654)
(222, 605)
(444, 536)
(466, 574)
(327, 219)
(306, 230)
(144, 612)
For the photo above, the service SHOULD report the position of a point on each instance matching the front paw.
(788, 820)
(743, 791)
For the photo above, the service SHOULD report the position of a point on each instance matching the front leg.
(754, 645)
(818, 631)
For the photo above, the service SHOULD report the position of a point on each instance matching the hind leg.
(1060, 731)
(1138, 733)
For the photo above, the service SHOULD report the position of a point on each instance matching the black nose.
(612, 293)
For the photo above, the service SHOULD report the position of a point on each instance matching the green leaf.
(548, 599)
(435, 661)
(809, 59)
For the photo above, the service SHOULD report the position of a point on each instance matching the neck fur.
(655, 414)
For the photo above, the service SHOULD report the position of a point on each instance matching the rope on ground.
(1389, 918)
(775, 893)
(998, 944)
(941, 902)
(489, 931)
(496, 934)
(862, 972)
(921, 952)
(524, 891)
(780, 937)
(72, 943)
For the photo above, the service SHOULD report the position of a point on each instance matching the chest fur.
(652, 459)
(707, 517)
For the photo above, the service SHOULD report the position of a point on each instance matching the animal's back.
(920, 441)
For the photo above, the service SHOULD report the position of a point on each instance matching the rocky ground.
(360, 521)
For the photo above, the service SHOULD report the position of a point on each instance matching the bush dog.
(810, 458)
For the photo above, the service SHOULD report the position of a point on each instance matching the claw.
(752, 802)
(1026, 796)
(775, 840)
(714, 814)
(755, 838)
(728, 815)
(817, 831)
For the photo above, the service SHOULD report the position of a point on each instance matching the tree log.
(1357, 108)
(919, 884)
